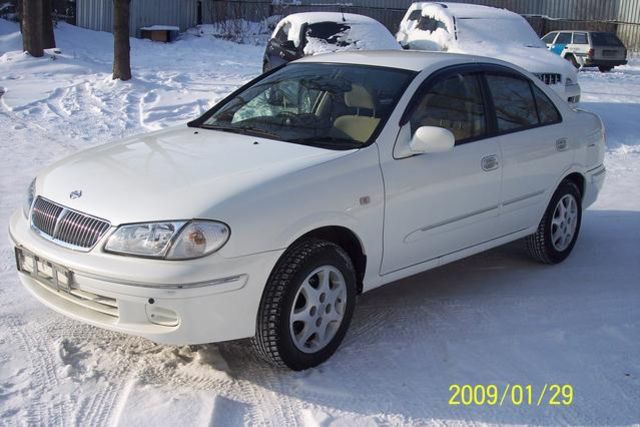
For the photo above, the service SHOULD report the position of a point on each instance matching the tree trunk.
(32, 27)
(48, 38)
(121, 60)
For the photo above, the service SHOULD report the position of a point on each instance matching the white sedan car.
(326, 178)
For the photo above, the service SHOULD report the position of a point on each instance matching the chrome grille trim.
(65, 226)
(549, 78)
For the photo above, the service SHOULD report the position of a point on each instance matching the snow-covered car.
(588, 48)
(328, 177)
(312, 33)
(486, 31)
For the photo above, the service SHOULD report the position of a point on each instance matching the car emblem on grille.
(75, 194)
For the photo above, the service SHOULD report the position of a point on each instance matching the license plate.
(53, 275)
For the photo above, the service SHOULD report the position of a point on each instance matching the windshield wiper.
(328, 142)
(252, 130)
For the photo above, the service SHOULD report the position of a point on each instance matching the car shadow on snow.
(494, 318)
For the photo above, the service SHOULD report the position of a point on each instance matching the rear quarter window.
(547, 112)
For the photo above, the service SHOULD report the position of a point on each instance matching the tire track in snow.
(44, 379)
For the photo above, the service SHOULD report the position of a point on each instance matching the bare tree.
(32, 27)
(48, 38)
(121, 60)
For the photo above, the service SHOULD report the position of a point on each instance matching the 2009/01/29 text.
(511, 394)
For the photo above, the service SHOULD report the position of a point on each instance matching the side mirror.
(431, 139)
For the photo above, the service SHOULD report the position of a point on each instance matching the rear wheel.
(307, 305)
(558, 230)
(605, 69)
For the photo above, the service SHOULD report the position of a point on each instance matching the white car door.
(535, 151)
(439, 203)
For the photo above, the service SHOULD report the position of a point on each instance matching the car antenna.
(342, 11)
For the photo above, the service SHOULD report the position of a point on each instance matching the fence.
(619, 16)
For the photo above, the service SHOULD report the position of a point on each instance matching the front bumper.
(206, 300)
(592, 62)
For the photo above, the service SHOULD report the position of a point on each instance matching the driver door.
(440, 203)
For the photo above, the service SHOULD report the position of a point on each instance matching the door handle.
(490, 163)
(561, 144)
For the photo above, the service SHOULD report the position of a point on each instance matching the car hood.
(176, 173)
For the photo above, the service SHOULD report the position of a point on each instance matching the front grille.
(65, 226)
(550, 78)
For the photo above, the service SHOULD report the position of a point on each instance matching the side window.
(282, 35)
(513, 102)
(547, 111)
(453, 103)
(548, 39)
(415, 15)
(564, 38)
(580, 38)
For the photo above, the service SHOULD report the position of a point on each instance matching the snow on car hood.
(177, 173)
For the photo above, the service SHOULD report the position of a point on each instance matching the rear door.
(535, 151)
(580, 46)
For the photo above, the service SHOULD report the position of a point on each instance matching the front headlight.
(28, 201)
(169, 240)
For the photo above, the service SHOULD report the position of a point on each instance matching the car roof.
(412, 60)
(466, 10)
(314, 17)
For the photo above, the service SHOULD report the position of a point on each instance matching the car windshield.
(331, 32)
(605, 39)
(338, 106)
(493, 30)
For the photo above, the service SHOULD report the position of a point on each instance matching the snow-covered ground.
(496, 318)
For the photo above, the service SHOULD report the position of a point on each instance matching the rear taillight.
(590, 53)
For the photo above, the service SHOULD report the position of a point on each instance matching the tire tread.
(265, 342)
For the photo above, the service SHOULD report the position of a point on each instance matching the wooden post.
(121, 49)
(32, 27)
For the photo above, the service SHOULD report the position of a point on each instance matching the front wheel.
(307, 305)
(558, 230)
